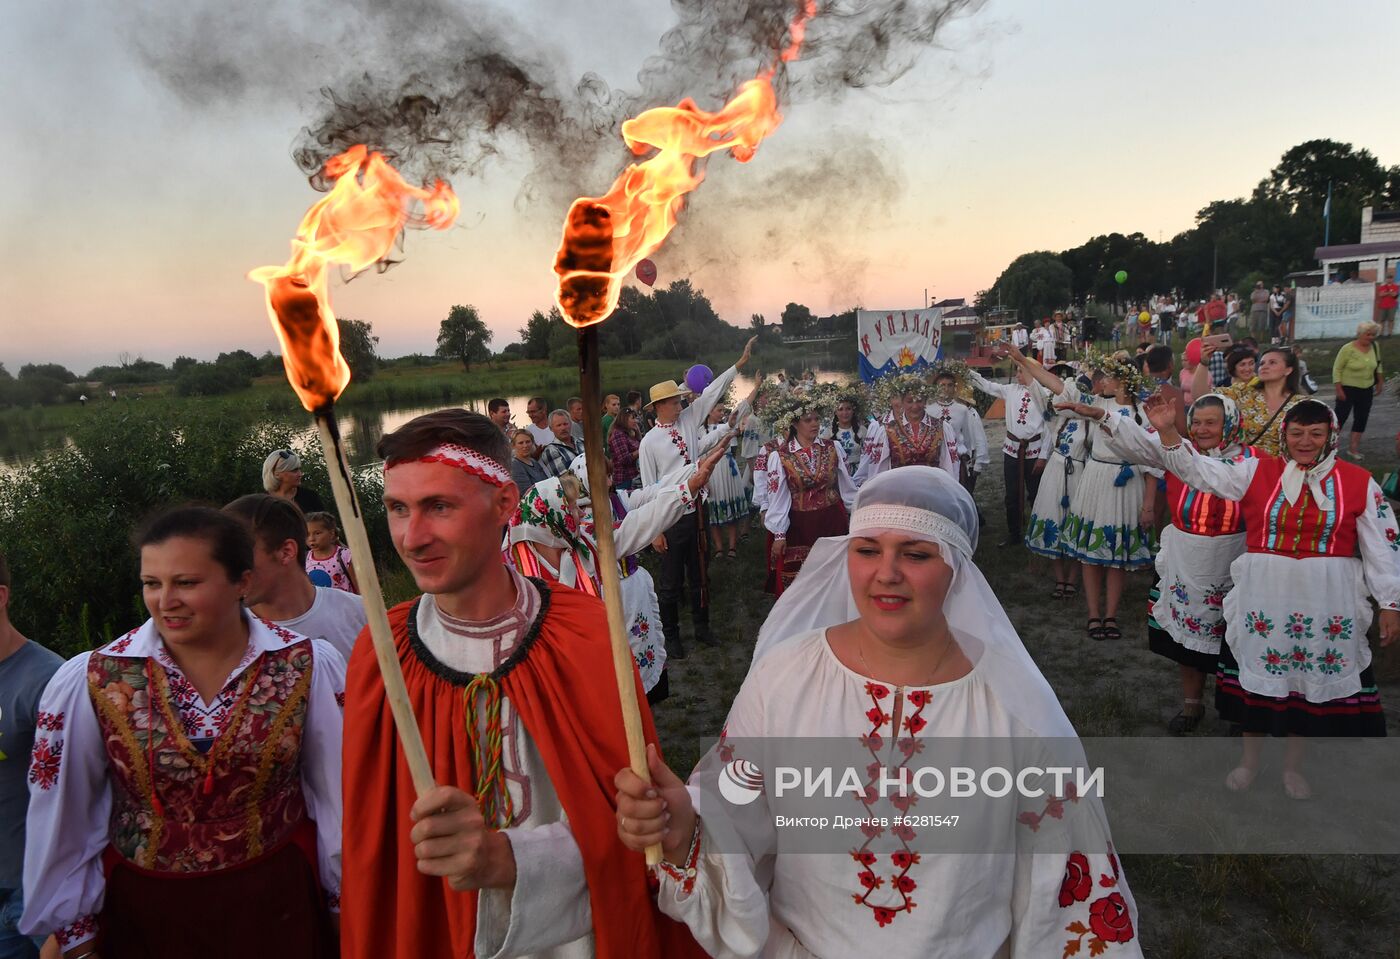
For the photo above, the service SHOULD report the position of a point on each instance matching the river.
(362, 427)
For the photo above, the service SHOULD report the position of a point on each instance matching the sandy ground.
(1196, 906)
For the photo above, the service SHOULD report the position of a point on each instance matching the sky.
(132, 215)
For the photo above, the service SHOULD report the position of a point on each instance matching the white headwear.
(927, 504)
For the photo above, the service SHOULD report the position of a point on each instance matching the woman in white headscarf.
(552, 536)
(1320, 542)
(1185, 613)
(888, 638)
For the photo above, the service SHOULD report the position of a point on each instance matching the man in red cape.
(515, 852)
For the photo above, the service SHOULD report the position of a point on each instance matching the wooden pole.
(591, 390)
(348, 505)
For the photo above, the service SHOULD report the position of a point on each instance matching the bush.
(66, 520)
(211, 379)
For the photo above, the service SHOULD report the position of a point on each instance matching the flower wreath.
(784, 409)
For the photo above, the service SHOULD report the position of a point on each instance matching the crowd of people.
(226, 777)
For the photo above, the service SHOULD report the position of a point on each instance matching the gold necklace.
(938, 665)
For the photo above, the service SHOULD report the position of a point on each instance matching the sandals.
(1111, 632)
(1095, 631)
(1184, 722)
(733, 554)
(1071, 590)
(1059, 592)
(719, 553)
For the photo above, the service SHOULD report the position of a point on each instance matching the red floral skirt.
(805, 527)
(269, 906)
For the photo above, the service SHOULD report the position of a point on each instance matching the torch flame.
(353, 227)
(605, 237)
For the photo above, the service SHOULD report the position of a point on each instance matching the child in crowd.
(327, 562)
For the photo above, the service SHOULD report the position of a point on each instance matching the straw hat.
(666, 391)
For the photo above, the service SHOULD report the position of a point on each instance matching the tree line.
(1264, 236)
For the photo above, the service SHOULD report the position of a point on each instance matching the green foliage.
(130, 373)
(66, 521)
(212, 379)
(1035, 284)
(463, 336)
(242, 362)
(50, 371)
(357, 345)
(535, 335)
(796, 320)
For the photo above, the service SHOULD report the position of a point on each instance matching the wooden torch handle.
(591, 389)
(348, 505)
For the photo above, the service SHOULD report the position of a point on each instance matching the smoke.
(445, 87)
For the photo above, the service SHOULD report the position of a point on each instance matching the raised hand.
(656, 812)
(1161, 413)
(748, 352)
(706, 466)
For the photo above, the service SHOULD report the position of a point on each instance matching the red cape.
(565, 695)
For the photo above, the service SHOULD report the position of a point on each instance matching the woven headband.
(912, 519)
(463, 458)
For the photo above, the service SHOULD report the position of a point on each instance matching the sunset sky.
(131, 215)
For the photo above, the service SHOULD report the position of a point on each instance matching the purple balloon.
(698, 377)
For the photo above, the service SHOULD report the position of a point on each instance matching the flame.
(906, 356)
(605, 237)
(353, 227)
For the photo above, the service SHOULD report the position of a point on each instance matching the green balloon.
(1121, 276)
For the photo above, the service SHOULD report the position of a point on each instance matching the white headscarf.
(1296, 476)
(928, 504)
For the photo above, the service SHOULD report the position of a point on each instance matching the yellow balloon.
(1144, 318)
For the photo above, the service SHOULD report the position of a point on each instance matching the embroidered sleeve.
(876, 457)
(1230, 480)
(1074, 904)
(1379, 541)
(70, 805)
(648, 521)
(320, 761)
(846, 485)
(987, 386)
(779, 498)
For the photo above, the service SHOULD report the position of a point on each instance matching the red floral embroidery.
(1078, 881)
(84, 928)
(904, 859)
(53, 722)
(1109, 918)
(679, 442)
(119, 647)
(44, 762)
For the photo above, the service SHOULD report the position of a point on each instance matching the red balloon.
(1193, 351)
(646, 272)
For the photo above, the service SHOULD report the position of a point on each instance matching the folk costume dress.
(901, 443)
(851, 440)
(743, 895)
(542, 519)
(727, 496)
(164, 825)
(521, 712)
(965, 436)
(1259, 427)
(1319, 542)
(1186, 608)
(1104, 524)
(809, 496)
(1025, 428)
(1063, 469)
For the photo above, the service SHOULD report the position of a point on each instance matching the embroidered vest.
(1304, 530)
(905, 450)
(1205, 514)
(176, 809)
(812, 482)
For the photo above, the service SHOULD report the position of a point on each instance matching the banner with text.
(897, 341)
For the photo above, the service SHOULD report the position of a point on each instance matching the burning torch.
(353, 227)
(604, 238)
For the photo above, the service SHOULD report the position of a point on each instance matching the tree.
(51, 371)
(1035, 284)
(241, 362)
(357, 345)
(796, 320)
(463, 336)
(1303, 174)
(534, 336)
(183, 363)
(211, 379)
